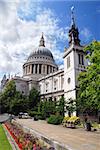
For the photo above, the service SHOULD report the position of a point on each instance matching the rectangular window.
(46, 87)
(68, 62)
(80, 59)
(55, 84)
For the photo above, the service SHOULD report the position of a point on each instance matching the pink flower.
(34, 147)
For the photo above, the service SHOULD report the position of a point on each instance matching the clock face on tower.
(69, 80)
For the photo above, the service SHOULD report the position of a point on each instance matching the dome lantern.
(42, 42)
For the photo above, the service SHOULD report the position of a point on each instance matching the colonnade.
(38, 69)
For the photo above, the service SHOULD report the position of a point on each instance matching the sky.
(23, 21)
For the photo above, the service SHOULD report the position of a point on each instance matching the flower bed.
(24, 140)
(71, 122)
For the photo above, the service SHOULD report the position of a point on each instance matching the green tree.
(71, 106)
(61, 106)
(12, 101)
(18, 105)
(89, 81)
(34, 99)
(46, 108)
(50, 107)
(7, 95)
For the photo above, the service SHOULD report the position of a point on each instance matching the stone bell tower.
(74, 61)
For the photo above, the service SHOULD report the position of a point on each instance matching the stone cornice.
(72, 48)
(51, 75)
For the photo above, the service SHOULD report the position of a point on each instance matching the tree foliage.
(89, 80)
(49, 107)
(46, 108)
(34, 98)
(71, 106)
(13, 101)
(61, 106)
(7, 96)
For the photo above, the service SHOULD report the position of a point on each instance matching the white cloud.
(19, 37)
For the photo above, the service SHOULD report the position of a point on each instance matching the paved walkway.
(76, 139)
(4, 117)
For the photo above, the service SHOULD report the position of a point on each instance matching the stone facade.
(52, 85)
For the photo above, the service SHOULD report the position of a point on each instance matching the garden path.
(76, 139)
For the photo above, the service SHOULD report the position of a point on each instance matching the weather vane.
(72, 9)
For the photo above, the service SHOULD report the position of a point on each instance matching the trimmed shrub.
(55, 119)
(41, 117)
(33, 113)
(37, 115)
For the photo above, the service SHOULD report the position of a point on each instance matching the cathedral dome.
(40, 62)
(41, 50)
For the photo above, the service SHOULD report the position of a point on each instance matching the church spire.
(72, 16)
(42, 42)
(73, 32)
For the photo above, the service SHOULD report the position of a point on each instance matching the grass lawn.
(4, 144)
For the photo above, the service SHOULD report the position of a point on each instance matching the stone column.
(45, 69)
(34, 69)
(38, 69)
(52, 69)
(30, 69)
(48, 69)
(41, 69)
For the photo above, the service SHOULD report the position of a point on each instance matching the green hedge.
(55, 119)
